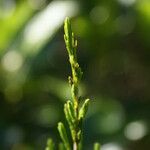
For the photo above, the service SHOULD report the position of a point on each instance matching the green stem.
(71, 45)
(75, 122)
(74, 111)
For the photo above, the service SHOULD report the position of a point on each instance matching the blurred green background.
(113, 51)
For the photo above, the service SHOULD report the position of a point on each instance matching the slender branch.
(73, 113)
(71, 45)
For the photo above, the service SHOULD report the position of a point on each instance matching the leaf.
(70, 122)
(63, 135)
(83, 109)
(50, 145)
(96, 146)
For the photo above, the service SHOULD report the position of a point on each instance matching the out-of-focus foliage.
(114, 52)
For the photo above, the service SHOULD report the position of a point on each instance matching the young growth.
(74, 111)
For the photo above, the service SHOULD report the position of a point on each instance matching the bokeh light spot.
(46, 115)
(111, 146)
(12, 61)
(13, 135)
(99, 14)
(144, 8)
(46, 23)
(110, 118)
(135, 130)
(127, 2)
(124, 24)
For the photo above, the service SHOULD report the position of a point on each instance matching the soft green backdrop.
(113, 51)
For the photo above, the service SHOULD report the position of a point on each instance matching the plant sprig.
(74, 111)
